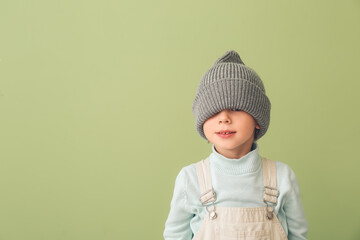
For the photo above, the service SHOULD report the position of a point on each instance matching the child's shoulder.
(188, 173)
(282, 167)
(191, 167)
(188, 170)
(285, 173)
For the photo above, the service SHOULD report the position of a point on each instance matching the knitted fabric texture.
(229, 84)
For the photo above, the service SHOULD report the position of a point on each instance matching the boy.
(234, 193)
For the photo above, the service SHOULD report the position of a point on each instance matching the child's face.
(240, 122)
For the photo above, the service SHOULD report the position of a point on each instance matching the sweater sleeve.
(177, 225)
(298, 227)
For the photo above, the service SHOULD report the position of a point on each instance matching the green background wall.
(95, 108)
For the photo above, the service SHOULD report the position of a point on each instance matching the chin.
(231, 144)
(226, 145)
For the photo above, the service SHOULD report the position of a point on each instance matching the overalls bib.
(233, 223)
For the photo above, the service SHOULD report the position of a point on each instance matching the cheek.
(208, 125)
(205, 126)
(246, 126)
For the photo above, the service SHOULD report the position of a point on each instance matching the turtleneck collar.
(236, 166)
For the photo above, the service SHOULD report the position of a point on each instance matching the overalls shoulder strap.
(270, 185)
(208, 194)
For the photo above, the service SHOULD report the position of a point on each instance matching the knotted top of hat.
(229, 56)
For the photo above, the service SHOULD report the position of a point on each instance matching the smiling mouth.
(225, 132)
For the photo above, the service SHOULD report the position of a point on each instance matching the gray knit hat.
(229, 84)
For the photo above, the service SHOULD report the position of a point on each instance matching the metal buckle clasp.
(211, 194)
(210, 197)
(274, 192)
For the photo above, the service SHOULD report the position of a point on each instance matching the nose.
(224, 117)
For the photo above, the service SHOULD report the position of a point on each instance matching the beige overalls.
(232, 223)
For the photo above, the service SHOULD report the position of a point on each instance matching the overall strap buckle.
(208, 197)
(270, 195)
(271, 192)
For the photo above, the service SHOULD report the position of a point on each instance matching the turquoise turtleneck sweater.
(237, 183)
